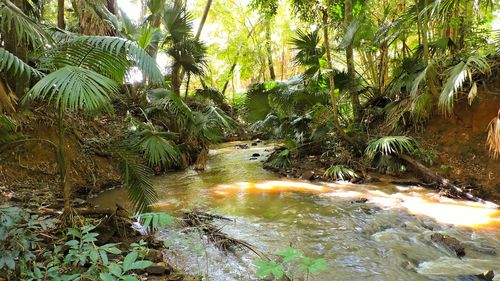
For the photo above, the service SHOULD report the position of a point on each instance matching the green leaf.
(141, 265)
(313, 265)
(104, 257)
(129, 261)
(74, 232)
(115, 269)
(107, 277)
(94, 255)
(264, 268)
(290, 254)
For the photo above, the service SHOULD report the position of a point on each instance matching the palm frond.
(210, 93)
(459, 74)
(308, 53)
(15, 67)
(390, 145)
(167, 100)
(349, 34)
(178, 23)
(212, 124)
(340, 172)
(493, 140)
(136, 177)
(25, 28)
(190, 54)
(159, 151)
(281, 159)
(8, 98)
(88, 57)
(119, 47)
(75, 88)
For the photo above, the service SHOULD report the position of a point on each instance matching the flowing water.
(386, 238)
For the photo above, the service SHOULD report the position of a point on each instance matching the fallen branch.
(442, 182)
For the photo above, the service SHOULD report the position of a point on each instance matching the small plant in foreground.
(290, 259)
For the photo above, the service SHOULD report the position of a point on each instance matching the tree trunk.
(335, 111)
(197, 37)
(349, 53)
(269, 50)
(203, 18)
(425, 42)
(60, 14)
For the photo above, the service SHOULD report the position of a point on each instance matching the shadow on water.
(386, 238)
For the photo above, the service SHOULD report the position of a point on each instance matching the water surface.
(386, 238)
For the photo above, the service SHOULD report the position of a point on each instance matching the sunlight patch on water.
(416, 200)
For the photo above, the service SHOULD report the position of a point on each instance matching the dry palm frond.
(8, 99)
(493, 140)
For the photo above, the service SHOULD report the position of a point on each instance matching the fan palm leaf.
(158, 150)
(75, 88)
(340, 172)
(190, 54)
(308, 53)
(167, 100)
(391, 145)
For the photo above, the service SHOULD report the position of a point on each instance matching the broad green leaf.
(129, 261)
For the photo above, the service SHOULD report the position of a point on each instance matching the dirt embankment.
(28, 171)
(459, 142)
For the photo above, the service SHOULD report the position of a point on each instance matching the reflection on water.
(386, 238)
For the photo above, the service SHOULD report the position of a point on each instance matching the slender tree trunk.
(235, 63)
(60, 14)
(269, 50)
(61, 163)
(335, 111)
(425, 42)
(349, 53)
(203, 18)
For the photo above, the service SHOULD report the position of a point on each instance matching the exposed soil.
(459, 142)
(28, 170)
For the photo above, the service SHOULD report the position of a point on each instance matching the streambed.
(386, 238)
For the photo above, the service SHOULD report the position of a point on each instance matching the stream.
(386, 238)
